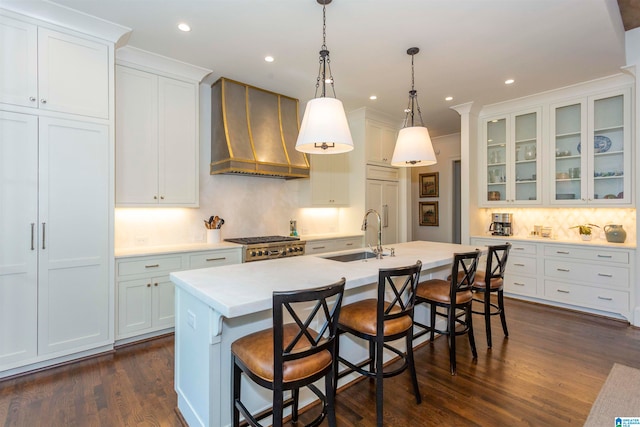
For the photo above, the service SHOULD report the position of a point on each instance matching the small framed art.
(429, 213)
(429, 184)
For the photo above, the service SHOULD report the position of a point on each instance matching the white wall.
(447, 151)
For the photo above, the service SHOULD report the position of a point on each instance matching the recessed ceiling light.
(373, 97)
(509, 81)
(449, 98)
(269, 58)
(184, 27)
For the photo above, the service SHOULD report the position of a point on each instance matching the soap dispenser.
(293, 228)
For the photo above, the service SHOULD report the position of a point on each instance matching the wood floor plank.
(547, 373)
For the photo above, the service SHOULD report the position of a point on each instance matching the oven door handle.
(273, 252)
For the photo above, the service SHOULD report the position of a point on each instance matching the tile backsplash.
(562, 219)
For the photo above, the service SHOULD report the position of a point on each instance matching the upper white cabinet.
(156, 140)
(380, 142)
(53, 71)
(591, 158)
(330, 180)
(512, 158)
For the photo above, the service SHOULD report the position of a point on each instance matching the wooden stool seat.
(255, 351)
(361, 316)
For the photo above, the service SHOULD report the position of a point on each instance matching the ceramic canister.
(615, 233)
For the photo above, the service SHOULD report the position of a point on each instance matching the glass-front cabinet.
(591, 158)
(512, 152)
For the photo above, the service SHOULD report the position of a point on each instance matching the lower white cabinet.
(578, 275)
(145, 295)
(55, 293)
(332, 245)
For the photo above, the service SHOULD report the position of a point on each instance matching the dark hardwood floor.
(547, 373)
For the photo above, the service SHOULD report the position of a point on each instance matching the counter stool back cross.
(291, 355)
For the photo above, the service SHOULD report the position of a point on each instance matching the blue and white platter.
(601, 144)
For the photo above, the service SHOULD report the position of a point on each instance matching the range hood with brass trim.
(254, 132)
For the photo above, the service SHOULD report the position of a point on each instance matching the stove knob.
(290, 249)
(260, 253)
(253, 253)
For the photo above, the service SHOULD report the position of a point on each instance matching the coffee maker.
(501, 224)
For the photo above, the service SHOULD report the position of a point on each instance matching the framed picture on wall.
(429, 184)
(428, 213)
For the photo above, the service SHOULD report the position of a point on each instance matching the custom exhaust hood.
(254, 132)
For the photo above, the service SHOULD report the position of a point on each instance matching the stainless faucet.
(378, 250)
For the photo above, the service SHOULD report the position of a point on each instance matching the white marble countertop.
(312, 237)
(172, 249)
(589, 243)
(240, 289)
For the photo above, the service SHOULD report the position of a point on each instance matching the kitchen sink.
(358, 256)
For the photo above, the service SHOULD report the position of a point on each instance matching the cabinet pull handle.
(518, 265)
(605, 298)
(604, 256)
(518, 284)
(216, 259)
(562, 291)
(152, 266)
(518, 249)
(563, 252)
(33, 226)
(566, 270)
(349, 244)
(605, 275)
(318, 247)
(44, 230)
(385, 211)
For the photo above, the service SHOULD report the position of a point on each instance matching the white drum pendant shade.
(413, 148)
(324, 128)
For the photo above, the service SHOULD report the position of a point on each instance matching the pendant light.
(324, 128)
(413, 147)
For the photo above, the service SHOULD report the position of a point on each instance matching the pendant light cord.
(325, 61)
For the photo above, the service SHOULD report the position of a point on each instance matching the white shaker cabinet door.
(74, 183)
(163, 301)
(18, 62)
(73, 74)
(19, 240)
(177, 147)
(136, 137)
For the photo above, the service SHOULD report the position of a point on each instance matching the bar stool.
(379, 321)
(494, 275)
(292, 355)
(453, 295)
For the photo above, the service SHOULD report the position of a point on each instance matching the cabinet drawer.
(521, 265)
(214, 258)
(351, 243)
(602, 275)
(319, 246)
(523, 248)
(598, 298)
(150, 265)
(602, 255)
(382, 173)
(520, 285)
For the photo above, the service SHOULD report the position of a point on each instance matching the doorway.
(457, 202)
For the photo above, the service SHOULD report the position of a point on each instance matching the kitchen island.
(216, 306)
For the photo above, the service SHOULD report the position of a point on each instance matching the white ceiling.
(467, 47)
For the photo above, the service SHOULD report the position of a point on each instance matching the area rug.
(619, 397)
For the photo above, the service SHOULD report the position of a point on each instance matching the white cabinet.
(145, 294)
(380, 142)
(319, 246)
(512, 149)
(598, 172)
(330, 180)
(383, 197)
(53, 71)
(54, 276)
(156, 140)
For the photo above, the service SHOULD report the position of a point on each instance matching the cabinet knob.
(148, 285)
(44, 101)
(155, 284)
(32, 98)
(155, 197)
(161, 197)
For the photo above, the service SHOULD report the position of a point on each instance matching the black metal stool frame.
(495, 268)
(461, 280)
(402, 304)
(324, 339)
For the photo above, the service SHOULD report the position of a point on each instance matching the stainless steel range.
(269, 247)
